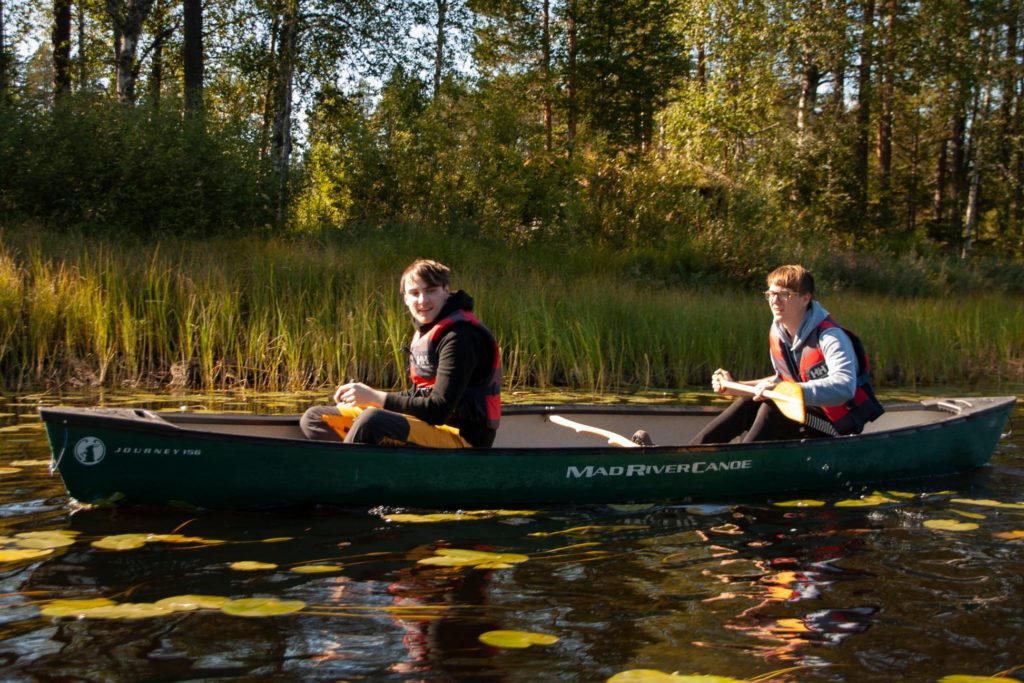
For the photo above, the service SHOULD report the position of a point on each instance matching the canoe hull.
(104, 457)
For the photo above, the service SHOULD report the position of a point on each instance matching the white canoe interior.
(531, 427)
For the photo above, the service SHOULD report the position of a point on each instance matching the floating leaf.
(121, 542)
(252, 565)
(127, 610)
(261, 607)
(73, 607)
(187, 603)
(501, 513)
(968, 515)
(900, 494)
(865, 501)
(800, 504)
(429, 518)
(277, 539)
(962, 678)
(587, 530)
(730, 529)
(13, 555)
(317, 568)
(1010, 535)
(655, 676)
(950, 525)
(46, 539)
(516, 639)
(988, 503)
(176, 538)
(9, 470)
(455, 557)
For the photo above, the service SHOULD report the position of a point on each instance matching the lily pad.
(950, 525)
(1010, 535)
(73, 607)
(261, 607)
(516, 639)
(317, 568)
(985, 502)
(866, 501)
(800, 503)
(455, 557)
(121, 542)
(430, 518)
(187, 603)
(127, 610)
(655, 676)
(15, 554)
(45, 539)
(252, 565)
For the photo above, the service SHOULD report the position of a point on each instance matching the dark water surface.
(739, 589)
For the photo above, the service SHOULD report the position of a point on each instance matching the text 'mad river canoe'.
(136, 456)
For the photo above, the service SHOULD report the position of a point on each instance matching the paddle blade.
(789, 398)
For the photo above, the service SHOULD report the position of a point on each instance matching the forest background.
(214, 192)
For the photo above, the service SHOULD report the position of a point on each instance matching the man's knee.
(379, 427)
(313, 426)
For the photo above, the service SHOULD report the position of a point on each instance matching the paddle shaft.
(613, 438)
(773, 395)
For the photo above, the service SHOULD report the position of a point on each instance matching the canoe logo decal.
(90, 450)
(699, 467)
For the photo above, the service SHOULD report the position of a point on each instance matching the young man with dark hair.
(455, 368)
(808, 347)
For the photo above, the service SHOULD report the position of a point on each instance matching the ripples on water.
(737, 589)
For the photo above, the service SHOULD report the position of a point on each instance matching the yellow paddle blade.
(789, 398)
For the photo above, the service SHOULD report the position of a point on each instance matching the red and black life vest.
(481, 403)
(849, 417)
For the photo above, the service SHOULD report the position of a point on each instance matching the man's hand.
(359, 395)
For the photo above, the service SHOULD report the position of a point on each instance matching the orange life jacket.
(849, 417)
(479, 403)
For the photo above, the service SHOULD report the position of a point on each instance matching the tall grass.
(276, 314)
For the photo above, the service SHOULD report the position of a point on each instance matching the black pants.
(761, 420)
(380, 427)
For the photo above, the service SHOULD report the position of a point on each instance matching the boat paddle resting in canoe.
(543, 455)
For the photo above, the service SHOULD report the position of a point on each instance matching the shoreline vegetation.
(305, 312)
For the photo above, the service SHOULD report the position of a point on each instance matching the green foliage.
(270, 313)
(99, 165)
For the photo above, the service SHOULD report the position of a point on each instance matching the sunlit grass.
(292, 315)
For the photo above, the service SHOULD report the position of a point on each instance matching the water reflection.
(738, 589)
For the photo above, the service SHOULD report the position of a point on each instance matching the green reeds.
(274, 315)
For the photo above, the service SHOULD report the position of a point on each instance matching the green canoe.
(136, 456)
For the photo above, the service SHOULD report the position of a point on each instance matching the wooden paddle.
(787, 396)
(613, 438)
(789, 399)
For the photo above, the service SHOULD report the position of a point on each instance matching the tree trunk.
(61, 47)
(193, 57)
(957, 172)
(571, 75)
(885, 117)
(546, 56)
(979, 115)
(83, 64)
(282, 133)
(863, 118)
(808, 97)
(127, 17)
(442, 15)
(941, 182)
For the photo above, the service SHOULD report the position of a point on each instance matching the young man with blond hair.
(455, 368)
(807, 347)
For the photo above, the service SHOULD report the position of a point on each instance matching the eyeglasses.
(783, 295)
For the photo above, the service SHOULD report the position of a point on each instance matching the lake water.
(740, 589)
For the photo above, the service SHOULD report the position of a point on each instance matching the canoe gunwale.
(155, 423)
